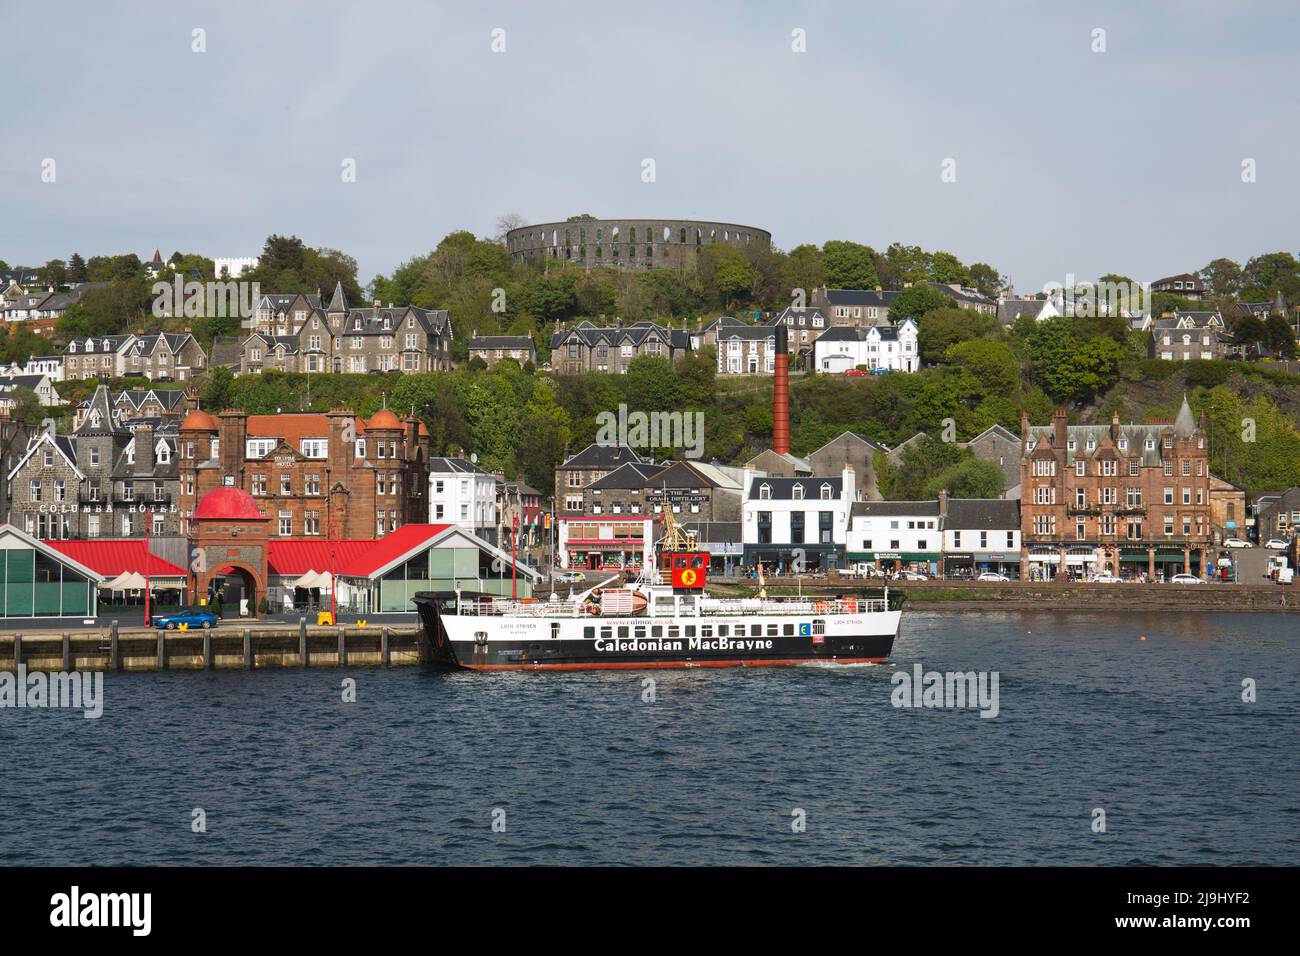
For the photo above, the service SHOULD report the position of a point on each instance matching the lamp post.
(147, 524)
(334, 581)
(514, 564)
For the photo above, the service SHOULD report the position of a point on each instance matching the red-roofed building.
(428, 557)
(112, 557)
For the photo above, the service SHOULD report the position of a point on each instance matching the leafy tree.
(547, 433)
(76, 268)
(218, 389)
(986, 279)
(970, 478)
(805, 269)
(943, 327)
(1281, 337)
(849, 265)
(988, 362)
(915, 302)
(1222, 277)
(948, 269)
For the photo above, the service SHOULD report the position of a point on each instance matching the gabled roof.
(861, 297)
(602, 456)
(408, 541)
(632, 474)
(100, 418)
(50, 551)
(455, 466)
(591, 335)
(60, 443)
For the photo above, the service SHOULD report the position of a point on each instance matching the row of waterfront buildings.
(1125, 498)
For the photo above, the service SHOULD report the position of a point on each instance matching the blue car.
(191, 617)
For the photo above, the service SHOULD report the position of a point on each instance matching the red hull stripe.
(668, 665)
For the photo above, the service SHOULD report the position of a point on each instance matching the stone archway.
(249, 587)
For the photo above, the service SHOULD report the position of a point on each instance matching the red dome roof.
(384, 419)
(199, 419)
(228, 504)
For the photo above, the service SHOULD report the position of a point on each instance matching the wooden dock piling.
(385, 658)
(248, 649)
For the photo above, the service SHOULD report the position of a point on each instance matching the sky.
(1067, 161)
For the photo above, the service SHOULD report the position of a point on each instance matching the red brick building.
(312, 474)
(1120, 499)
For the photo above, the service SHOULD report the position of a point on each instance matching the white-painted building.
(51, 365)
(786, 520)
(892, 535)
(982, 534)
(234, 267)
(463, 494)
(891, 347)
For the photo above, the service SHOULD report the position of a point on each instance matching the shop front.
(895, 562)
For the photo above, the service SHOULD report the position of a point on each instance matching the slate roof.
(459, 466)
(602, 456)
(524, 342)
(889, 509)
(632, 474)
(861, 297)
(982, 514)
(783, 488)
(591, 335)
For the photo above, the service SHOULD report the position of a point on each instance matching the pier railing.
(707, 607)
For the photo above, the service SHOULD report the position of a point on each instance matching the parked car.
(571, 577)
(1275, 544)
(912, 576)
(1236, 543)
(1105, 579)
(881, 371)
(853, 371)
(992, 576)
(191, 617)
(1185, 579)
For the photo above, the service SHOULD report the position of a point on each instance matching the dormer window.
(1150, 444)
(1070, 445)
(764, 492)
(826, 492)
(1092, 444)
(72, 346)
(797, 492)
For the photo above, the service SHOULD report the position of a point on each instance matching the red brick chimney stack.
(781, 394)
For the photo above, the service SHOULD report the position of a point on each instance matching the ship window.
(606, 632)
(690, 630)
(555, 631)
(706, 630)
(679, 561)
(588, 632)
(771, 630)
(756, 630)
(657, 631)
(674, 630)
(819, 627)
(639, 633)
(622, 631)
(787, 630)
(697, 562)
(724, 630)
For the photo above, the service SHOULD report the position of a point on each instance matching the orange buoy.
(1142, 638)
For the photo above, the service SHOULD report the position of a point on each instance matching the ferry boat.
(664, 618)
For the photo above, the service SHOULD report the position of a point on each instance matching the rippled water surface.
(1153, 732)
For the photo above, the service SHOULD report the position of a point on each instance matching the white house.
(51, 365)
(795, 523)
(878, 346)
(893, 535)
(463, 494)
(232, 268)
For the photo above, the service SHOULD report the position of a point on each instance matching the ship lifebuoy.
(821, 607)
(851, 605)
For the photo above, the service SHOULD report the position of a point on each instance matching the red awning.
(113, 557)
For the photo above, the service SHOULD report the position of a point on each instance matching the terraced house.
(338, 338)
(102, 356)
(104, 480)
(1124, 499)
(590, 348)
